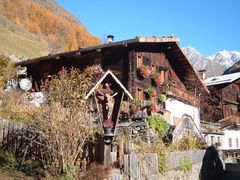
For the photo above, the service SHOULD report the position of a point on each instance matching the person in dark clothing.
(212, 168)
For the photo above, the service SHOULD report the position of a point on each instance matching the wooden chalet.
(228, 90)
(141, 64)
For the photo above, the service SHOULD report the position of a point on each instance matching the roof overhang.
(169, 44)
(223, 79)
(125, 43)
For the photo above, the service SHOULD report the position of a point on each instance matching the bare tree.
(63, 123)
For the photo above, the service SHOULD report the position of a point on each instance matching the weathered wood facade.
(231, 99)
(227, 88)
(162, 56)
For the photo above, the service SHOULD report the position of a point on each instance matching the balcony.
(180, 93)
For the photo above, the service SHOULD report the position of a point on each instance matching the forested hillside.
(46, 21)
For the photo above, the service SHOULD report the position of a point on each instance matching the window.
(139, 60)
(227, 111)
(166, 75)
(237, 143)
(153, 69)
(225, 95)
(219, 140)
(97, 60)
(212, 140)
(162, 78)
(139, 94)
(230, 142)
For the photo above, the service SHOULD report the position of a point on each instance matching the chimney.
(110, 38)
(202, 74)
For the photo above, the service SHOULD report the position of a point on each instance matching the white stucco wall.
(211, 139)
(233, 135)
(178, 108)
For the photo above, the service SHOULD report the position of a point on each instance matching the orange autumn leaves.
(44, 23)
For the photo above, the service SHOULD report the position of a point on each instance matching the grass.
(19, 45)
(6, 174)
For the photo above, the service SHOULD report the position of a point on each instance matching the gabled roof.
(230, 120)
(228, 78)
(117, 81)
(166, 44)
(125, 43)
(211, 128)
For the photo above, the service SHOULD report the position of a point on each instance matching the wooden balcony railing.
(180, 93)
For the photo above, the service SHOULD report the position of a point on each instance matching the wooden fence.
(137, 166)
(8, 127)
(194, 156)
(140, 166)
(15, 136)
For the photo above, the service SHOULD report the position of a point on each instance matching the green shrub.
(162, 150)
(184, 164)
(142, 149)
(159, 124)
(162, 98)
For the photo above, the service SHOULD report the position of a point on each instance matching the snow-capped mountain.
(225, 58)
(200, 62)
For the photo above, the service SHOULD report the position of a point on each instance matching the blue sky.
(207, 25)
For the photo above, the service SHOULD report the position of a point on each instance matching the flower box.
(108, 123)
(157, 78)
(145, 71)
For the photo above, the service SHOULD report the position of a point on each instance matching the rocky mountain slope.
(200, 62)
(233, 69)
(39, 27)
(215, 64)
(225, 58)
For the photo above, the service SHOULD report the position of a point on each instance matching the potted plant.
(134, 106)
(157, 78)
(107, 126)
(162, 98)
(151, 91)
(155, 108)
(145, 71)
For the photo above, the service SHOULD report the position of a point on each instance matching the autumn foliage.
(44, 23)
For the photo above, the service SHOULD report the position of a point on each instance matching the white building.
(212, 133)
(226, 132)
(177, 109)
(231, 128)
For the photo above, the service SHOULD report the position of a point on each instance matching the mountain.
(233, 69)
(38, 27)
(225, 58)
(200, 62)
